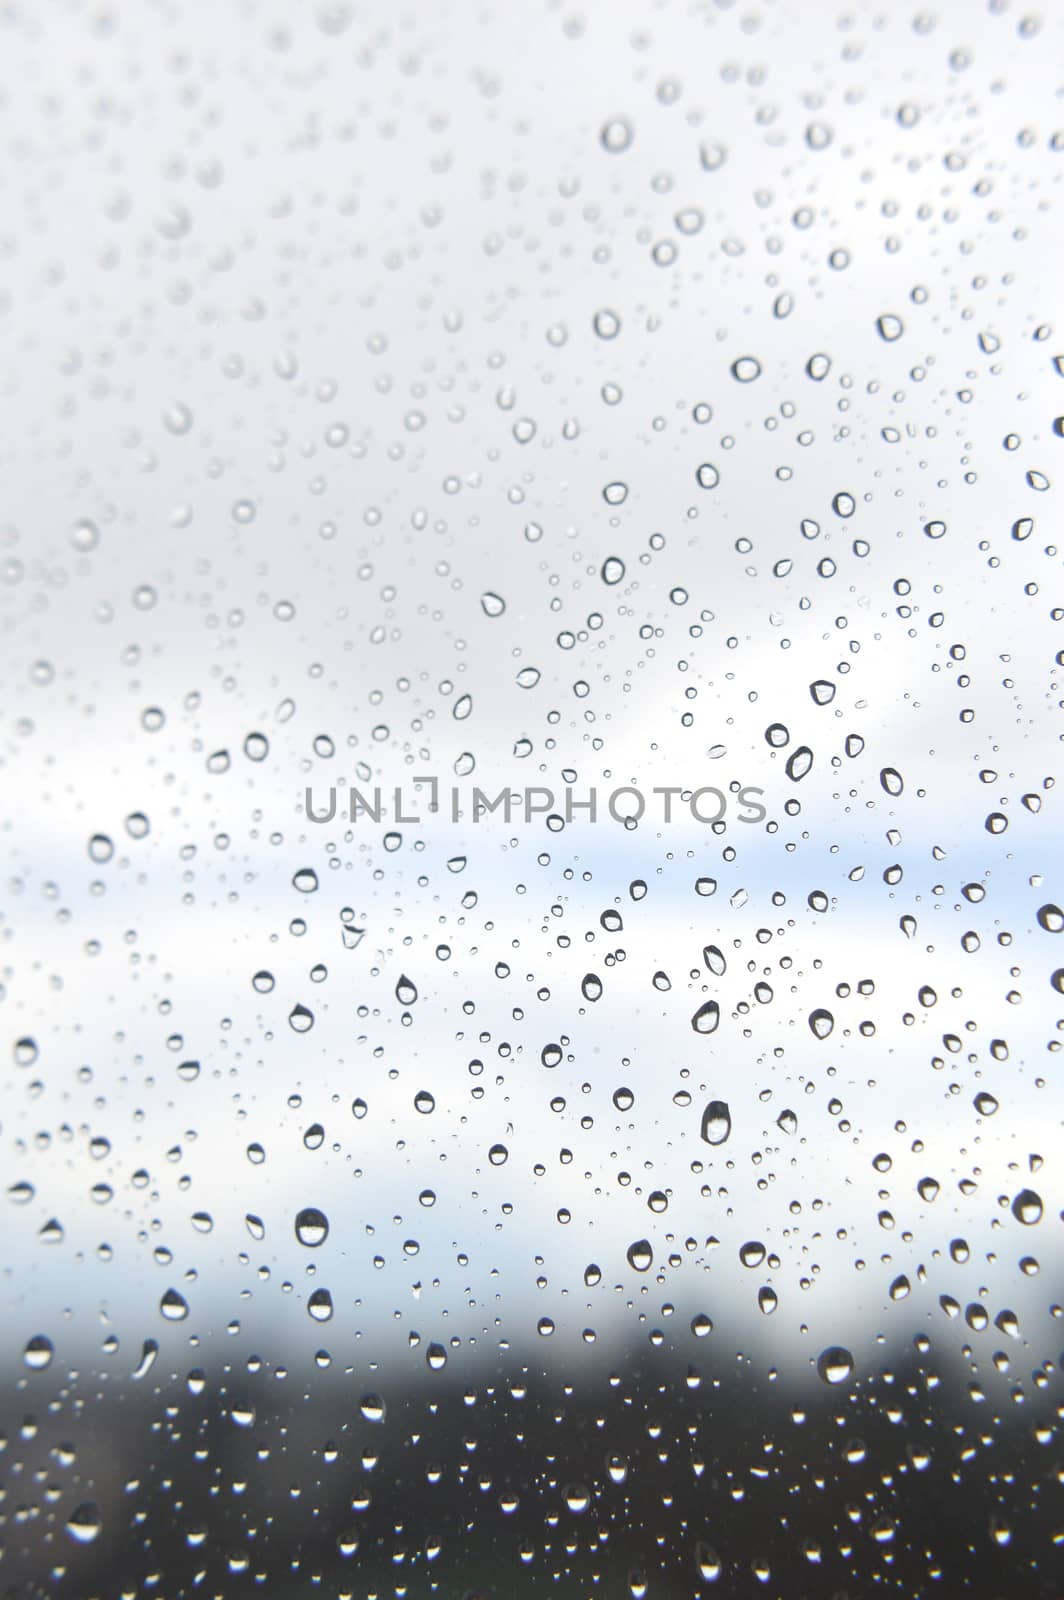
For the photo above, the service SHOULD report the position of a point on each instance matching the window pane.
(532, 963)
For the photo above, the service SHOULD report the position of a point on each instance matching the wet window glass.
(533, 647)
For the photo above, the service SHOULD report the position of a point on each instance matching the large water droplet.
(714, 958)
(821, 1022)
(716, 1122)
(312, 1227)
(1027, 1208)
(39, 1352)
(616, 135)
(799, 763)
(707, 1018)
(835, 1364)
(173, 1306)
(300, 1019)
(85, 1523)
(372, 1408)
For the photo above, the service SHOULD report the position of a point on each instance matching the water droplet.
(707, 1018)
(716, 1122)
(714, 959)
(607, 324)
(174, 1306)
(177, 419)
(707, 1562)
(312, 1227)
(1027, 1208)
(835, 1364)
(320, 1306)
(84, 535)
(640, 1255)
(746, 369)
(616, 135)
(39, 1353)
(85, 1523)
(149, 1351)
(799, 763)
